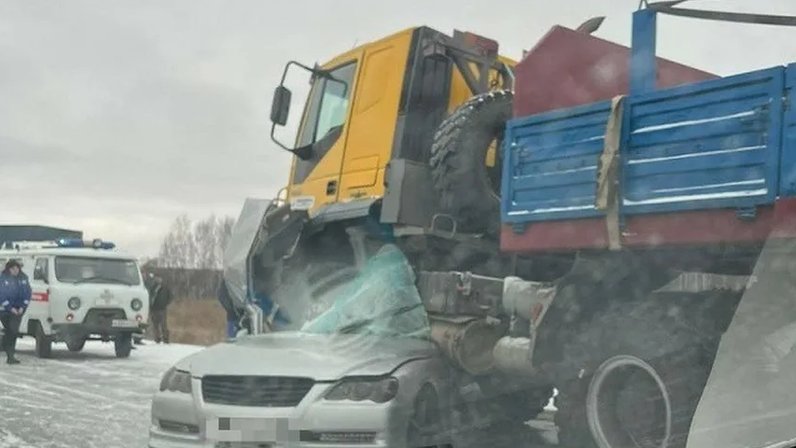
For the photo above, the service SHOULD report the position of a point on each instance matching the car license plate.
(122, 323)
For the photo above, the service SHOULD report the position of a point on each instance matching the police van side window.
(40, 272)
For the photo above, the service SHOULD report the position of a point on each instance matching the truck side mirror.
(280, 106)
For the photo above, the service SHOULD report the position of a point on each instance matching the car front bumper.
(181, 420)
(82, 330)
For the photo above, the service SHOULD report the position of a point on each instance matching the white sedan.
(306, 390)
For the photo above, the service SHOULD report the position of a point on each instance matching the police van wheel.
(123, 344)
(44, 343)
(75, 344)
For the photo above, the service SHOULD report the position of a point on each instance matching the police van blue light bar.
(76, 242)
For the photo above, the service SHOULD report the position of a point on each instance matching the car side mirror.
(280, 106)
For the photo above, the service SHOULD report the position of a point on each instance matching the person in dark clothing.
(160, 298)
(15, 294)
(225, 300)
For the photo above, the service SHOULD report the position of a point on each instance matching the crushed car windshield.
(79, 270)
(381, 300)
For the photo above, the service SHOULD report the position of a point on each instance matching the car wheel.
(75, 344)
(426, 425)
(44, 343)
(123, 344)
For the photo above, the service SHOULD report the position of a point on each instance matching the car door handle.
(331, 187)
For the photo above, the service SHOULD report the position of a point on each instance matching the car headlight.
(73, 303)
(379, 390)
(176, 381)
(136, 304)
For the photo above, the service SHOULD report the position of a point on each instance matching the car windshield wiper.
(112, 280)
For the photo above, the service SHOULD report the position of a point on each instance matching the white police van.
(82, 290)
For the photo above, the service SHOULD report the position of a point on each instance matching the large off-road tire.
(468, 189)
(44, 343)
(637, 382)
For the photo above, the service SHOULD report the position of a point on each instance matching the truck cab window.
(326, 112)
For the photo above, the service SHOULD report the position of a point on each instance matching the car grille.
(260, 391)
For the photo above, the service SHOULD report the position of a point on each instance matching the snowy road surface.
(81, 400)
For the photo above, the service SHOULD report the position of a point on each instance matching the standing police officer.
(15, 294)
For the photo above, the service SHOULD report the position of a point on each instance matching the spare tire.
(469, 186)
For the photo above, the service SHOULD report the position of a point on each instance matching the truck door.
(373, 116)
(325, 126)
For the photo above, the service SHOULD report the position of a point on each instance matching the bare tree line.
(196, 245)
(192, 255)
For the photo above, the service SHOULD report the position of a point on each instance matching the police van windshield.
(96, 270)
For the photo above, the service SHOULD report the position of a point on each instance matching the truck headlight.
(136, 304)
(73, 303)
(176, 381)
(379, 390)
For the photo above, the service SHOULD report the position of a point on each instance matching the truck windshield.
(327, 104)
(325, 114)
(96, 270)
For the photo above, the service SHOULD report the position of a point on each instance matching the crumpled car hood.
(321, 357)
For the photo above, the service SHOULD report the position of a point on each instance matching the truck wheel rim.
(619, 377)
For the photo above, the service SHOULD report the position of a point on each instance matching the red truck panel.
(567, 68)
(684, 228)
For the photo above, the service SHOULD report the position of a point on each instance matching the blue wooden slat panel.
(712, 144)
(694, 95)
(584, 148)
(709, 165)
(552, 161)
(551, 167)
(755, 121)
(736, 84)
(685, 179)
(787, 183)
(726, 135)
(704, 111)
(561, 138)
(686, 149)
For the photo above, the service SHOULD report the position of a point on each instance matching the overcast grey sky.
(117, 116)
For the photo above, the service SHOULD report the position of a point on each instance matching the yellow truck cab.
(365, 145)
(378, 102)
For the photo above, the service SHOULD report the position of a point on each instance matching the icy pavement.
(81, 400)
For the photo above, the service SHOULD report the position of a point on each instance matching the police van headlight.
(176, 381)
(73, 303)
(136, 304)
